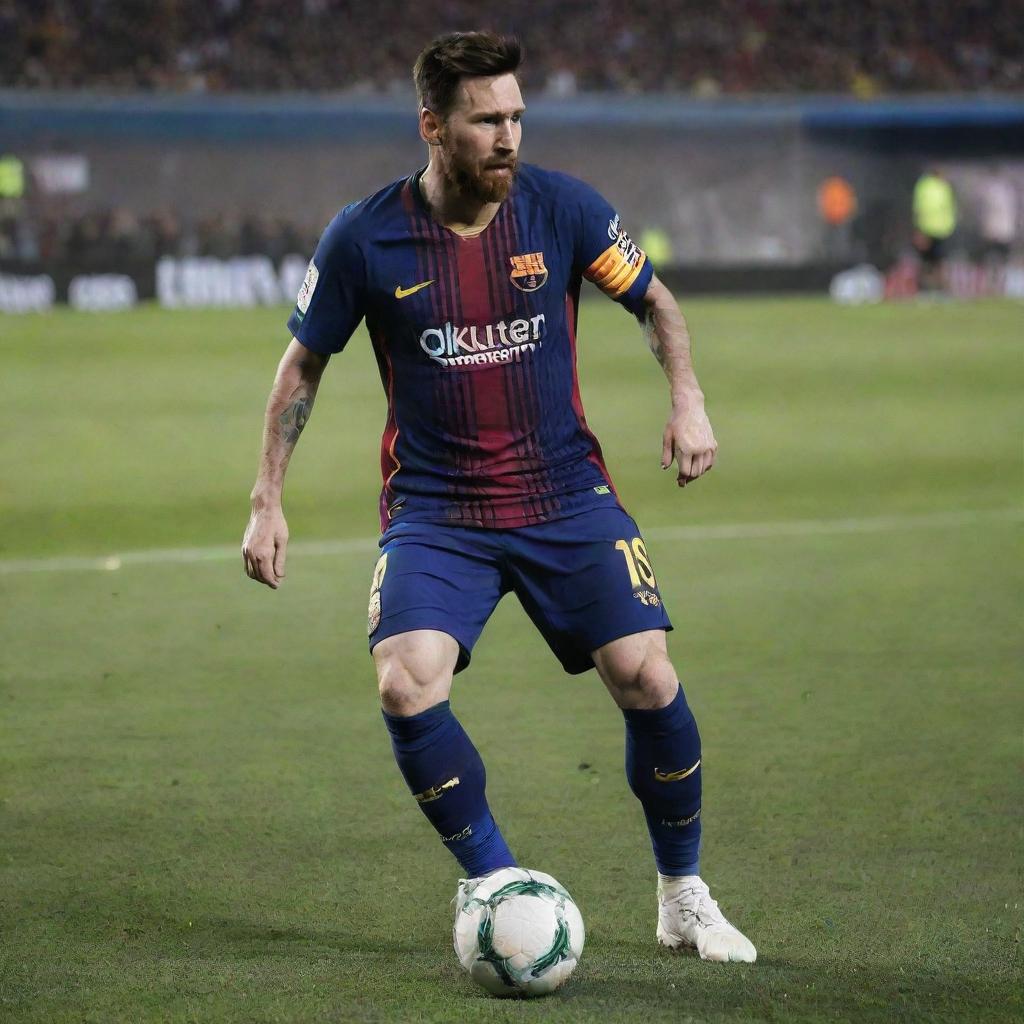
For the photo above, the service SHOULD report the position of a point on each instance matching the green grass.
(200, 819)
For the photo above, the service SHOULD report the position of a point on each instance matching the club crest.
(528, 271)
(373, 611)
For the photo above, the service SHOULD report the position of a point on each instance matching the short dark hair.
(449, 58)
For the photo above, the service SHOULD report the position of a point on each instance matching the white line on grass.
(812, 527)
(365, 545)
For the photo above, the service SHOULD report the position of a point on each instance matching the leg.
(589, 586)
(663, 758)
(414, 670)
(662, 745)
(441, 766)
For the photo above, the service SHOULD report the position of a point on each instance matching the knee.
(655, 682)
(640, 674)
(413, 673)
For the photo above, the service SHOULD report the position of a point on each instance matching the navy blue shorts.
(584, 581)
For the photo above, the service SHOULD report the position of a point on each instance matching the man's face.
(480, 137)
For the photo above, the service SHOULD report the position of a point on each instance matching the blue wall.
(27, 117)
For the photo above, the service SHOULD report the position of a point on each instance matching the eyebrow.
(499, 113)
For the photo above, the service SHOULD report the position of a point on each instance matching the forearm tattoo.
(294, 418)
(651, 334)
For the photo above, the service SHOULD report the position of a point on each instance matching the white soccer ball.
(518, 933)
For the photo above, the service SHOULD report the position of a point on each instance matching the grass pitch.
(200, 819)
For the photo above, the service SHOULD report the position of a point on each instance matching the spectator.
(998, 208)
(935, 213)
(733, 46)
(837, 204)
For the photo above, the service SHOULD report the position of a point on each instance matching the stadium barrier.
(729, 188)
(204, 282)
(197, 281)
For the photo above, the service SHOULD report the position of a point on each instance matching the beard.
(482, 184)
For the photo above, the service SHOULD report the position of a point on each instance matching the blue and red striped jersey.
(475, 339)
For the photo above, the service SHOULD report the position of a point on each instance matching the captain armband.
(617, 267)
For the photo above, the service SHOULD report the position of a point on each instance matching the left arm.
(688, 437)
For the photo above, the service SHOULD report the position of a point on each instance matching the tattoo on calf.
(294, 418)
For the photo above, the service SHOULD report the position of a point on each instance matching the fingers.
(666, 450)
(695, 465)
(261, 566)
(279, 552)
(263, 546)
(265, 568)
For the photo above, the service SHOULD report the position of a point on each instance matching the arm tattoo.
(651, 335)
(294, 418)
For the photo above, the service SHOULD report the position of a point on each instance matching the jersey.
(475, 340)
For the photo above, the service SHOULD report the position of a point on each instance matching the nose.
(506, 142)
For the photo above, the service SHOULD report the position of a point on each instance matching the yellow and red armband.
(617, 267)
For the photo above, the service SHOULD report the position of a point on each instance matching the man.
(997, 201)
(468, 274)
(935, 214)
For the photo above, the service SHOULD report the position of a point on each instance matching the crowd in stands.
(731, 46)
(118, 238)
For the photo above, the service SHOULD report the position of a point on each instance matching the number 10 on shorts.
(638, 564)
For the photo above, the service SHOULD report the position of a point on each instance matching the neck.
(458, 212)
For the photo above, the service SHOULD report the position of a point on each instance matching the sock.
(444, 772)
(663, 769)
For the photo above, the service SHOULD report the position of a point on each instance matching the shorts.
(584, 581)
(932, 250)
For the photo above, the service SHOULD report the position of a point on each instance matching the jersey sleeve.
(330, 303)
(606, 255)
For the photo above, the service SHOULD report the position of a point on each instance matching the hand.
(264, 544)
(689, 439)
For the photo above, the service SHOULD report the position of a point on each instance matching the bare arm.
(688, 437)
(288, 409)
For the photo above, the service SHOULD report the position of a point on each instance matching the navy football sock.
(663, 769)
(444, 772)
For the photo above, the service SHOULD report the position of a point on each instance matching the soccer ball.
(518, 932)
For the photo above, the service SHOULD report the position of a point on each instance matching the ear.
(430, 127)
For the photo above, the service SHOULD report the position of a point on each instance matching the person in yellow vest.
(12, 177)
(934, 222)
(656, 240)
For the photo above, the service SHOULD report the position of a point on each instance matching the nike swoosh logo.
(401, 293)
(660, 776)
(436, 792)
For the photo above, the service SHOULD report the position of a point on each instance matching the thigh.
(586, 581)
(433, 577)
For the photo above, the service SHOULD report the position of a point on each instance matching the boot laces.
(695, 902)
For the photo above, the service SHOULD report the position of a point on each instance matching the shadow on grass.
(634, 984)
(237, 937)
(683, 985)
(387, 978)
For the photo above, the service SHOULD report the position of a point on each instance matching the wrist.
(265, 498)
(686, 396)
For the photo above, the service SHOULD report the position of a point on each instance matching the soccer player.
(468, 275)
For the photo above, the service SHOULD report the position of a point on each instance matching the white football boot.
(464, 892)
(468, 886)
(689, 917)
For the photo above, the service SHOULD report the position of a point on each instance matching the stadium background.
(235, 129)
(199, 818)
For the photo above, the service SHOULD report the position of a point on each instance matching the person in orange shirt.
(837, 204)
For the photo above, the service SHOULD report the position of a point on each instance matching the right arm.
(288, 409)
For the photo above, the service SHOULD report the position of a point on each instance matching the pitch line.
(365, 546)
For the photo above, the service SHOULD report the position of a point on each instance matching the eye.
(517, 118)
